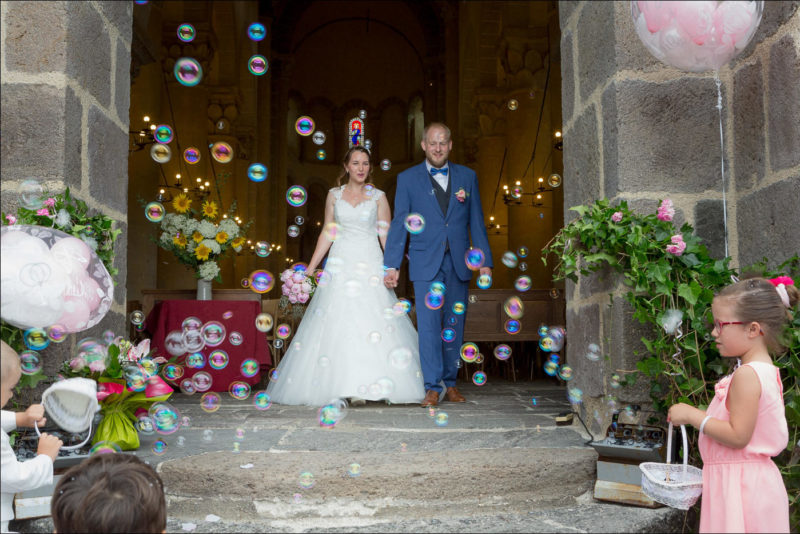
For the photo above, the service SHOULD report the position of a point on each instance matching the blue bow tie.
(435, 171)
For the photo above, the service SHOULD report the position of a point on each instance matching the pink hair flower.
(11, 219)
(666, 211)
(617, 216)
(678, 245)
(785, 280)
(43, 211)
(50, 202)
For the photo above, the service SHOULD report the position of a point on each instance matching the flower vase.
(203, 289)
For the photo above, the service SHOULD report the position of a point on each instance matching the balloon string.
(722, 161)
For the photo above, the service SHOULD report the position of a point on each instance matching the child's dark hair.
(346, 160)
(757, 300)
(109, 493)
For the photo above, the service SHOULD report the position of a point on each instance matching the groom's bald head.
(437, 126)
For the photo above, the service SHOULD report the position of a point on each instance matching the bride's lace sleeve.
(337, 192)
(378, 194)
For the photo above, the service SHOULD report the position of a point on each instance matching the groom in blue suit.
(445, 196)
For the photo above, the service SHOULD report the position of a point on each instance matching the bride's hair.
(343, 173)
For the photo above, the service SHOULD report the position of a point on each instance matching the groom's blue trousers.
(440, 359)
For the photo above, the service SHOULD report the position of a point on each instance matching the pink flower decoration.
(297, 289)
(43, 211)
(617, 217)
(11, 219)
(293, 298)
(50, 202)
(461, 195)
(678, 245)
(665, 211)
(302, 298)
(785, 280)
(76, 364)
(285, 290)
(97, 366)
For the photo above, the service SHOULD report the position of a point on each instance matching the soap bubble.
(593, 352)
(513, 307)
(202, 381)
(196, 360)
(283, 331)
(386, 164)
(502, 352)
(218, 359)
(354, 470)
(304, 126)
(30, 362)
(554, 180)
(332, 230)
(615, 381)
(36, 338)
(159, 447)
(256, 32)
(222, 152)
(210, 402)
(191, 155)
(235, 338)
(415, 223)
(550, 368)
(261, 401)
(574, 395)
(434, 301)
(469, 352)
(160, 153)
(318, 138)
(257, 64)
(321, 154)
(264, 322)
(474, 258)
(523, 266)
(522, 252)
(257, 172)
(479, 378)
(187, 386)
(104, 447)
(163, 133)
(166, 418)
(333, 412)
(512, 326)
(400, 358)
(56, 333)
(154, 212)
(523, 283)
(31, 195)
(306, 480)
(565, 373)
(213, 333)
(362, 114)
(510, 259)
(441, 419)
(188, 71)
(172, 371)
(262, 249)
(249, 368)
(239, 390)
(261, 281)
(296, 196)
(484, 281)
(186, 32)
(513, 104)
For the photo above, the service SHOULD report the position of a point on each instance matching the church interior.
(490, 70)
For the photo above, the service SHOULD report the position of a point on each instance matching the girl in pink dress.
(745, 424)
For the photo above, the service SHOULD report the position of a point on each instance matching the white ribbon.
(783, 295)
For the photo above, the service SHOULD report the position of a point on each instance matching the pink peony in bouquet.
(297, 286)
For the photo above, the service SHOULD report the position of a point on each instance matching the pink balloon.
(72, 251)
(76, 316)
(656, 14)
(82, 287)
(733, 21)
(695, 19)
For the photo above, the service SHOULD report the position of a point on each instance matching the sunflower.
(221, 237)
(202, 252)
(197, 236)
(179, 240)
(238, 242)
(182, 203)
(209, 209)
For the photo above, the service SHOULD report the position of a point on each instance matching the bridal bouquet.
(127, 380)
(196, 240)
(297, 286)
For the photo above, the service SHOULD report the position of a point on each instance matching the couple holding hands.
(355, 340)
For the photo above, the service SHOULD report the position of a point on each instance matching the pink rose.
(306, 287)
(678, 245)
(11, 219)
(297, 289)
(285, 290)
(76, 364)
(461, 195)
(617, 217)
(302, 298)
(288, 283)
(293, 298)
(43, 211)
(285, 275)
(50, 202)
(97, 366)
(665, 211)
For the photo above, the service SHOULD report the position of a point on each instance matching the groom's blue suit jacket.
(463, 220)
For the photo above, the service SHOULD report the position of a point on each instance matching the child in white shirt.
(16, 476)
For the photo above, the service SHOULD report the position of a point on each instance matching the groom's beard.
(438, 164)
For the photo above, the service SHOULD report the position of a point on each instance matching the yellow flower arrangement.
(182, 203)
(202, 252)
(197, 236)
(209, 209)
(238, 242)
(179, 240)
(221, 237)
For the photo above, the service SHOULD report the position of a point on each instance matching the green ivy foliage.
(682, 366)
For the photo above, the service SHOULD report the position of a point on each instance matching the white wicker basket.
(678, 486)
(71, 405)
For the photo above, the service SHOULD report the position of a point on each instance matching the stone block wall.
(639, 130)
(65, 71)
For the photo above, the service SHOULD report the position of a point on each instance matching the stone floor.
(500, 464)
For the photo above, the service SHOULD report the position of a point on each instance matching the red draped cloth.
(169, 315)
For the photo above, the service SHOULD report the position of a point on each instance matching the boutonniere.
(461, 195)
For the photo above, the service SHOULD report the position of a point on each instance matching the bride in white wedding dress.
(355, 340)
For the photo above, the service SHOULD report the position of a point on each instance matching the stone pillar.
(639, 130)
(65, 98)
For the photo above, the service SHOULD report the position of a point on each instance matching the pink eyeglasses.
(719, 324)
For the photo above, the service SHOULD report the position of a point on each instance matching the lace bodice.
(356, 222)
